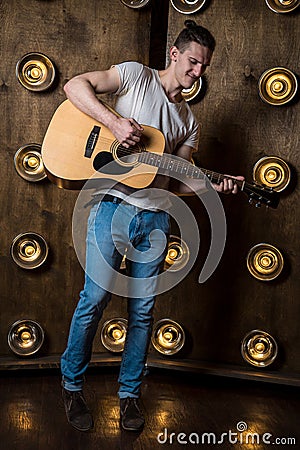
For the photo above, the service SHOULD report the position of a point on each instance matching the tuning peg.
(258, 205)
(250, 200)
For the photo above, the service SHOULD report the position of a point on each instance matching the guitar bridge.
(92, 141)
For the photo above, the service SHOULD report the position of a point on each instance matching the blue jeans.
(94, 298)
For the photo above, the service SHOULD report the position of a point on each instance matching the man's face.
(191, 64)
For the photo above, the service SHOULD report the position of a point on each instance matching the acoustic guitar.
(76, 148)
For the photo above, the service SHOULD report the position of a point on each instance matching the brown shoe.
(77, 412)
(131, 417)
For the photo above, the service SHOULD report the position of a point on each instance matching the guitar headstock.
(261, 195)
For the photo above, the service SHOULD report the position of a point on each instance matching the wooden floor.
(32, 415)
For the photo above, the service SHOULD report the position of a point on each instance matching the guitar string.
(180, 165)
(193, 171)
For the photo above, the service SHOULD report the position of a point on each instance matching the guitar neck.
(257, 193)
(179, 166)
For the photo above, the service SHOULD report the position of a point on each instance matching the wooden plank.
(237, 129)
(76, 38)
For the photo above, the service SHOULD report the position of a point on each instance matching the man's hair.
(194, 33)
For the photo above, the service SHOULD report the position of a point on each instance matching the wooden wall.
(76, 39)
(237, 129)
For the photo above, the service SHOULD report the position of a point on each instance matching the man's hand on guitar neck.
(228, 186)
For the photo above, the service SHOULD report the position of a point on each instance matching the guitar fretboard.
(174, 165)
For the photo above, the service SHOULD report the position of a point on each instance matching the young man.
(149, 97)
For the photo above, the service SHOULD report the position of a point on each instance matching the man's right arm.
(82, 91)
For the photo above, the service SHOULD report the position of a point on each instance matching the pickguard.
(105, 163)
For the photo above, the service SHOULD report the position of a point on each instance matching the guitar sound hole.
(129, 155)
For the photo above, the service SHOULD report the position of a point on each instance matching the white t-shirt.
(142, 97)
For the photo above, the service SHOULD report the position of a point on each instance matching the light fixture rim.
(105, 324)
(171, 322)
(192, 10)
(33, 235)
(281, 162)
(142, 4)
(40, 330)
(254, 332)
(269, 72)
(271, 247)
(270, 4)
(46, 60)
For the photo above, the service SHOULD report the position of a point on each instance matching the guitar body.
(76, 148)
